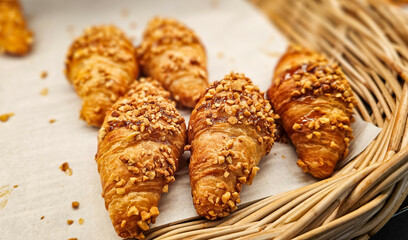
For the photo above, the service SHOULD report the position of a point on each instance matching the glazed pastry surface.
(140, 144)
(174, 55)
(101, 65)
(315, 103)
(231, 128)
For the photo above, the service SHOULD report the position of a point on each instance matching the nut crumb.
(214, 4)
(70, 28)
(5, 117)
(44, 74)
(75, 204)
(81, 221)
(52, 120)
(65, 168)
(69, 221)
(296, 126)
(124, 12)
(165, 188)
(283, 156)
(132, 25)
(72, 238)
(272, 54)
(15, 186)
(44, 92)
(42, 217)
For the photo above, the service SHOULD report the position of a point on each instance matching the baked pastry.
(400, 2)
(139, 146)
(15, 37)
(315, 103)
(101, 65)
(231, 128)
(174, 55)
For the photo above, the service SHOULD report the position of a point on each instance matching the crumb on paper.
(269, 53)
(52, 120)
(75, 204)
(15, 186)
(124, 12)
(272, 54)
(42, 217)
(72, 238)
(65, 168)
(5, 192)
(214, 4)
(44, 92)
(70, 221)
(70, 28)
(44, 74)
(5, 117)
(283, 156)
(81, 221)
(132, 25)
(220, 55)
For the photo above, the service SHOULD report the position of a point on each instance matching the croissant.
(315, 103)
(15, 37)
(174, 55)
(101, 65)
(231, 128)
(140, 143)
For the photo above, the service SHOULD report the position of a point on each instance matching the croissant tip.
(211, 212)
(316, 168)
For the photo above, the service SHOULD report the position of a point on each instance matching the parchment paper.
(236, 36)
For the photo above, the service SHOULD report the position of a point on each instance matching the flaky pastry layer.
(140, 144)
(230, 130)
(174, 55)
(101, 65)
(315, 103)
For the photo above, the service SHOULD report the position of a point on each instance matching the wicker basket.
(369, 39)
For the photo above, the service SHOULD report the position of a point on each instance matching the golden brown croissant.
(15, 37)
(315, 103)
(231, 128)
(140, 143)
(101, 65)
(173, 54)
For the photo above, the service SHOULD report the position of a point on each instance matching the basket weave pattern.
(369, 39)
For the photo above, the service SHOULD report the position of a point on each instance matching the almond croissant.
(315, 103)
(231, 128)
(140, 143)
(173, 54)
(15, 37)
(101, 65)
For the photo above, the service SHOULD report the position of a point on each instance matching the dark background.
(397, 227)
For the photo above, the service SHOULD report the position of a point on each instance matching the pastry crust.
(230, 130)
(315, 103)
(174, 55)
(15, 37)
(101, 66)
(140, 143)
